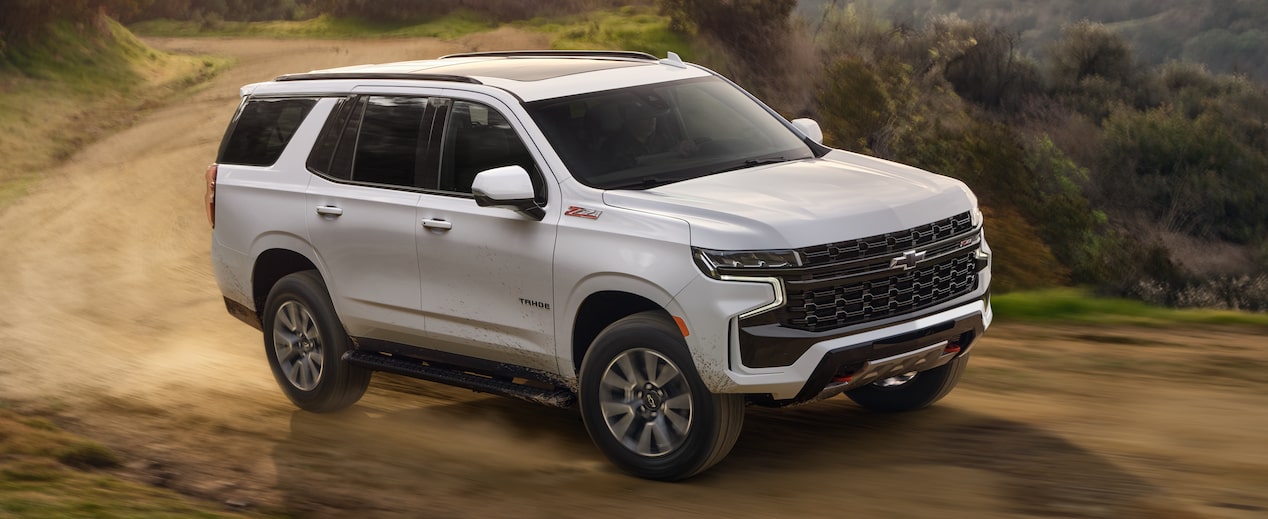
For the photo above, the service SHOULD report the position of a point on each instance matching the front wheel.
(305, 343)
(645, 406)
(911, 391)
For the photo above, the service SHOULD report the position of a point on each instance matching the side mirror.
(509, 187)
(810, 128)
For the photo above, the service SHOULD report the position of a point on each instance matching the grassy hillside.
(1228, 36)
(74, 84)
(324, 26)
(630, 27)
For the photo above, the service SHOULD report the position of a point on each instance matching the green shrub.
(1190, 175)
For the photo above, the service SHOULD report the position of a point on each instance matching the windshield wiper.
(751, 163)
(640, 183)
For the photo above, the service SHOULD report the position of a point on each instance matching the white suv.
(639, 236)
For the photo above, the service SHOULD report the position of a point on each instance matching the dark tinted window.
(324, 149)
(392, 141)
(262, 130)
(479, 138)
(341, 164)
(652, 135)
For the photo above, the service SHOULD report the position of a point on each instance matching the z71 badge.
(581, 212)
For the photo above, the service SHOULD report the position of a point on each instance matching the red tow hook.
(843, 379)
(951, 348)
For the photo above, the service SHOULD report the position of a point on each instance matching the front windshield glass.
(652, 135)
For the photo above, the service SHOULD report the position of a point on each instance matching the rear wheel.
(911, 391)
(305, 343)
(645, 406)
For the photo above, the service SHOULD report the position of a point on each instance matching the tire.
(922, 390)
(645, 406)
(305, 343)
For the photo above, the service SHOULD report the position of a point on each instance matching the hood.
(802, 203)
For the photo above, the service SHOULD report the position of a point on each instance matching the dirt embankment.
(110, 319)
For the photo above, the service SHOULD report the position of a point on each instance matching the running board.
(411, 368)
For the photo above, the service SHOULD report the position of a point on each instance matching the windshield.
(652, 135)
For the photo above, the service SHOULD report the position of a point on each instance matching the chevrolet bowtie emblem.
(908, 260)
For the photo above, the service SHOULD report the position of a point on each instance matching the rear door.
(362, 212)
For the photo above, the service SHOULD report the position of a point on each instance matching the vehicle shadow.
(449, 452)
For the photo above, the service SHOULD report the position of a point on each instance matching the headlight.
(975, 217)
(710, 261)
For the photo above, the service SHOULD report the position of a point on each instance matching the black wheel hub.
(652, 398)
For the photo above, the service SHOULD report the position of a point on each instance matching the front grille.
(854, 301)
(855, 282)
(889, 243)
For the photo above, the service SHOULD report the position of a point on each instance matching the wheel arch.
(271, 266)
(598, 311)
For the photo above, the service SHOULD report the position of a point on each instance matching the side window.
(392, 142)
(478, 138)
(341, 163)
(323, 154)
(262, 129)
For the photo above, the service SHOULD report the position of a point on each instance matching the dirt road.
(111, 321)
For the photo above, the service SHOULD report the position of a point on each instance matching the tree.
(1191, 175)
(1093, 69)
(755, 42)
(750, 28)
(990, 72)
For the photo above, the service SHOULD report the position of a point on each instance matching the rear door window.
(380, 140)
(392, 141)
(262, 129)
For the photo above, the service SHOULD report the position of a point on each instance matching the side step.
(411, 368)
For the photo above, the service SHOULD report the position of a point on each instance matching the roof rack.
(626, 54)
(377, 75)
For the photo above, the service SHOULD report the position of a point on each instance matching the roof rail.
(377, 75)
(627, 54)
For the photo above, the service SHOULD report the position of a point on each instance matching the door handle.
(329, 210)
(439, 225)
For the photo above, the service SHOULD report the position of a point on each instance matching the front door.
(487, 287)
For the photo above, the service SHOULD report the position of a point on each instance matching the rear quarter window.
(262, 129)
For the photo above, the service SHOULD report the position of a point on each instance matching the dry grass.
(78, 88)
(47, 472)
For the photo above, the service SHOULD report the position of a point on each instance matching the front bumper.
(842, 363)
(858, 365)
